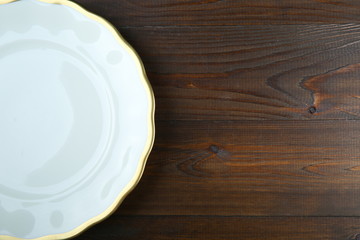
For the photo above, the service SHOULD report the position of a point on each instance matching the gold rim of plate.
(151, 125)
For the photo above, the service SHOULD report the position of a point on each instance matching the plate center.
(52, 118)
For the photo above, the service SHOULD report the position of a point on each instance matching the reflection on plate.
(76, 122)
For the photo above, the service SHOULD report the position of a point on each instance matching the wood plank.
(244, 73)
(215, 228)
(251, 168)
(224, 12)
(245, 60)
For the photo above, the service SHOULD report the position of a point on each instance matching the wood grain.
(215, 228)
(251, 168)
(224, 12)
(252, 73)
(257, 119)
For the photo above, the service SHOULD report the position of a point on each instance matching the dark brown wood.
(257, 119)
(229, 228)
(251, 168)
(224, 12)
(262, 72)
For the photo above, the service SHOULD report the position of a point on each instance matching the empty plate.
(76, 122)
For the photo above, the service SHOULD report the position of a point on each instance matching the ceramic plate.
(76, 122)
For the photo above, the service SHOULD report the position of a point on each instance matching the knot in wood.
(214, 148)
(312, 110)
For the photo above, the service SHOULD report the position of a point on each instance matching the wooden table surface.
(257, 119)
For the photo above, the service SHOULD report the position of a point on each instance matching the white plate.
(76, 122)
